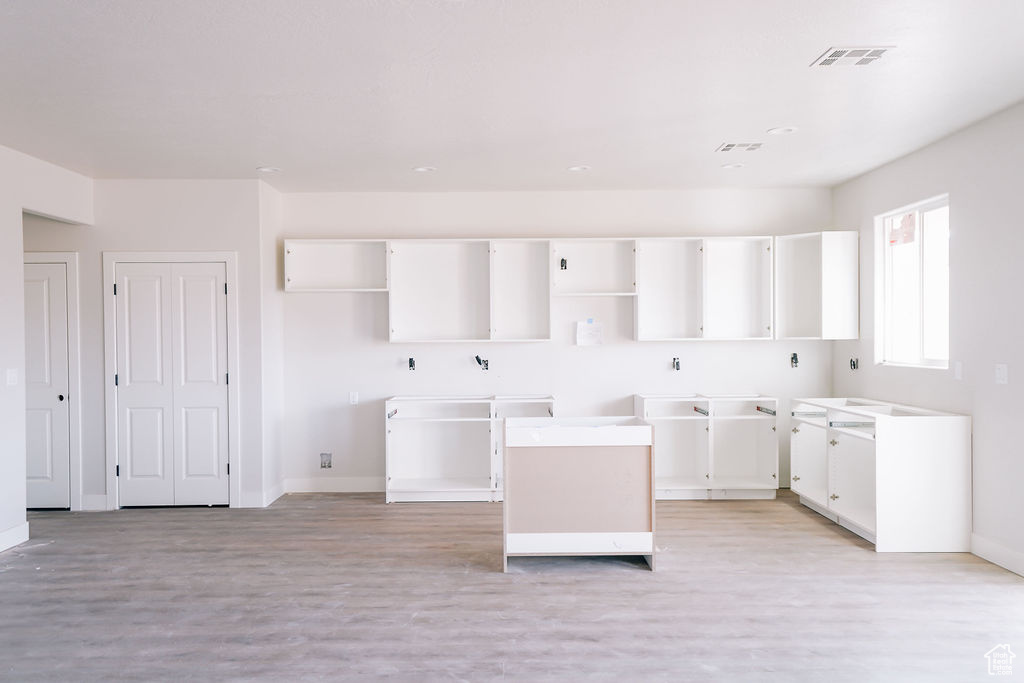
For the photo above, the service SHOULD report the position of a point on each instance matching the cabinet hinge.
(117, 470)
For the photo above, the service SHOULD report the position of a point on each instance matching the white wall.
(165, 215)
(980, 169)
(26, 184)
(336, 343)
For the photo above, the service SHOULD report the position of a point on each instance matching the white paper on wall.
(589, 333)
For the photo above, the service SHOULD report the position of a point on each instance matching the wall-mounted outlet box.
(1002, 373)
(325, 461)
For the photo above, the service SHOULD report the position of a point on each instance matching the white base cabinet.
(898, 476)
(712, 447)
(450, 448)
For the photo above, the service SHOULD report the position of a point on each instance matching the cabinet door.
(852, 479)
(809, 462)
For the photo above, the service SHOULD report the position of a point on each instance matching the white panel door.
(46, 386)
(172, 384)
(145, 389)
(200, 397)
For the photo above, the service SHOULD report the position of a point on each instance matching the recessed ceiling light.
(268, 169)
(576, 169)
(424, 169)
(782, 130)
(732, 165)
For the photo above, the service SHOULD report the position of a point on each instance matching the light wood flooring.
(337, 586)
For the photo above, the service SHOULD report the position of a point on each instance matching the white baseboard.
(273, 493)
(93, 502)
(334, 485)
(997, 553)
(13, 536)
(250, 499)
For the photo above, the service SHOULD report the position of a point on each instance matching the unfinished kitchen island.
(578, 486)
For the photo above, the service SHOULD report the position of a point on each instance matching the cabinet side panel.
(924, 484)
(578, 489)
(840, 300)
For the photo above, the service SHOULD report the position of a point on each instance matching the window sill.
(920, 366)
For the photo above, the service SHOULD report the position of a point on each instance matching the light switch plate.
(12, 377)
(958, 369)
(1002, 373)
(353, 397)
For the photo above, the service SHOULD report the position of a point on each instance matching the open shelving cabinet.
(331, 265)
(678, 288)
(737, 288)
(469, 290)
(710, 447)
(703, 288)
(450, 448)
(816, 285)
(593, 267)
(682, 430)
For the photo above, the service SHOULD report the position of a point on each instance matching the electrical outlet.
(1002, 373)
(325, 461)
(353, 397)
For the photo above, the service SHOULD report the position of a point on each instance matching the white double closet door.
(172, 398)
(47, 426)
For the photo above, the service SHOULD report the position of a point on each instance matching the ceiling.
(496, 94)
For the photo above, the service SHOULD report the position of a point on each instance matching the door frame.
(230, 261)
(69, 259)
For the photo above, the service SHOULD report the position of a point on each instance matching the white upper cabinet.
(669, 286)
(816, 284)
(520, 290)
(440, 290)
(791, 287)
(593, 267)
(737, 288)
(335, 266)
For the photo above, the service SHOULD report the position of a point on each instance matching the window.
(914, 307)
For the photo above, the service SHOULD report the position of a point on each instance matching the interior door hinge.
(117, 470)
(115, 289)
(229, 469)
(226, 378)
(225, 288)
(115, 379)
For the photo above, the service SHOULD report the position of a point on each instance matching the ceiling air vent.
(850, 56)
(739, 147)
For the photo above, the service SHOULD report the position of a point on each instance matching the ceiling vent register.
(739, 147)
(850, 56)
